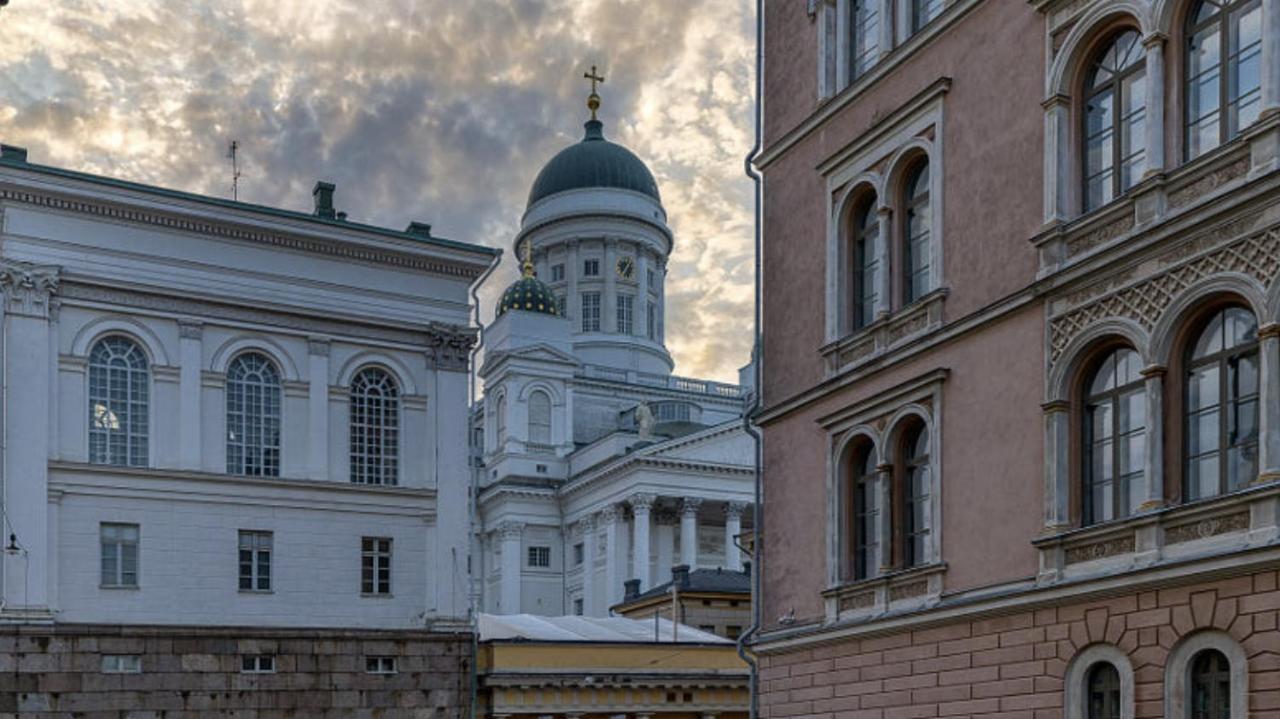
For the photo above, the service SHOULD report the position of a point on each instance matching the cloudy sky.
(434, 110)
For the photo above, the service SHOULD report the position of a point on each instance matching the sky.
(440, 111)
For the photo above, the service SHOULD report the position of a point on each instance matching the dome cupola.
(529, 294)
(594, 163)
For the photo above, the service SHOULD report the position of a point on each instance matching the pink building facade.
(1021, 359)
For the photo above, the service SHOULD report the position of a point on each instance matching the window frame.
(376, 554)
(1223, 19)
(864, 513)
(538, 556)
(258, 583)
(540, 423)
(257, 664)
(120, 543)
(917, 175)
(591, 311)
(258, 455)
(1114, 397)
(870, 27)
(626, 314)
(138, 392)
(591, 267)
(375, 440)
(1113, 86)
(381, 664)
(864, 237)
(911, 462)
(1111, 693)
(121, 664)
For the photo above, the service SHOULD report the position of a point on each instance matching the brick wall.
(57, 671)
(1013, 666)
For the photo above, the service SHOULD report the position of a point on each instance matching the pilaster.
(190, 360)
(641, 506)
(689, 507)
(732, 528)
(1269, 419)
(1057, 490)
(511, 535)
(317, 408)
(1152, 495)
(1154, 126)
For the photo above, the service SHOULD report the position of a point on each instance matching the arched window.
(253, 416)
(375, 427)
(1115, 111)
(1210, 686)
(866, 265)
(864, 36)
(919, 219)
(539, 418)
(500, 420)
(866, 514)
(1103, 691)
(1222, 405)
(923, 12)
(915, 496)
(119, 386)
(1115, 425)
(1224, 71)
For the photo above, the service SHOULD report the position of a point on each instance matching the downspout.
(472, 541)
(753, 406)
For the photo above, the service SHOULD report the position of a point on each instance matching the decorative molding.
(1100, 550)
(449, 347)
(1209, 182)
(190, 329)
(734, 509)
(641, 502)
(861, 600)
(318, 347)
(28, 288)
(509, 531)
(689, 507)
(610, 514)
(1101, 235)
(334, 248)
(907, 591)
(1205, 528)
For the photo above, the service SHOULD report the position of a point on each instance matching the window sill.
(867, 344)
(118, 587)
(257, 591)
(1219, 525)
(365, 595)
(895, 591)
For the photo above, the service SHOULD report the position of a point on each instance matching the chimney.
(420, 229)
(12, 153)
(680, 575)
(323, 194)
(631, 589)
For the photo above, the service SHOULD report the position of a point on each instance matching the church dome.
(594, 163)
(530, 295)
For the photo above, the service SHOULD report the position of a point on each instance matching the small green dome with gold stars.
(529, 294)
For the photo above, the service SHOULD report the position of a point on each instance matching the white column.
(572, 268)
(1057, 490)
(1269, 421)
(689, 531)
(1152, 494)
(665, 522)
(588, 527)
(609, 303)
(1155, 103)
(1056, 167)
(318, 409)
(732, 528)
(884, 273)
(1270, 56)
(511, 535)
(28, 291)
(190, 414)
(613, 561)
(641, 510)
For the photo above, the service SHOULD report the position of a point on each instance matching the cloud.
(434, 110)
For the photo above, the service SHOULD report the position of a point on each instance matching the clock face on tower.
(626, 268)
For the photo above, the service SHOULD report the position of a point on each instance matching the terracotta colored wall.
(1013, 667)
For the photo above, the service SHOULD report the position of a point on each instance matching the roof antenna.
(235, 169)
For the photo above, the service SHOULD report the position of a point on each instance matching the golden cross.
(593, 100)
(528, 259)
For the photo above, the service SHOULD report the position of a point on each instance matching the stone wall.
(58, 671)
(1013, 666)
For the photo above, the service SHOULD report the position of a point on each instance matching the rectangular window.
(562, 305)
(590, 311)
(626, 314)
(255, 561)
(708, 628)
(380, 665)
(121, 664)
(591, 268)
(579, 553)
(651, 321)
(732, 631)
(557, 273)
(375, 565)
(577, 607)
(119, 555)
(652, 278)
(539, 556)
(257, 664)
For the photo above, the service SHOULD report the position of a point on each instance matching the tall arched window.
(1224, 71)
(1115, 426)
(918, 219)
(375, 427)
(866, 514)
(1115, 112)
(539, 418)
(1222, 405)
(915, 496)
(1210, 686)
(253, 416)
(119, 387)
(864, 36)
(866, 265)
(1103, 691)
(500, 420)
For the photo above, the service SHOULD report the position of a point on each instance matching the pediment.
(726, 444)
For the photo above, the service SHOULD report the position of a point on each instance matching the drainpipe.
(753, 407)
(472, 593)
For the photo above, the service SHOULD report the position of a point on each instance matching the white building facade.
(220, 414)
(595, 465)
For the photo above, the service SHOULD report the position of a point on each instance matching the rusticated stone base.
(57, 671)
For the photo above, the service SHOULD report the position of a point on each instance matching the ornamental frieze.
(1100, 550)
(28, 289)
(1206, 528)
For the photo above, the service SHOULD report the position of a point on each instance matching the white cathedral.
(594, 464)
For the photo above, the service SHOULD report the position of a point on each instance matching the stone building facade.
(218, 414)
(1033, 436)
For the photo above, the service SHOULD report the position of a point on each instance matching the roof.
(530, 295)
(17, 160)
(530, 627)
(594, 162)
(703, 581)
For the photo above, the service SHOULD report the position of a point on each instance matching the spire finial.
(528, 259)
(593, 100)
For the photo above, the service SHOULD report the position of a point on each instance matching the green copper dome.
(530, 295)
(594, 162)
